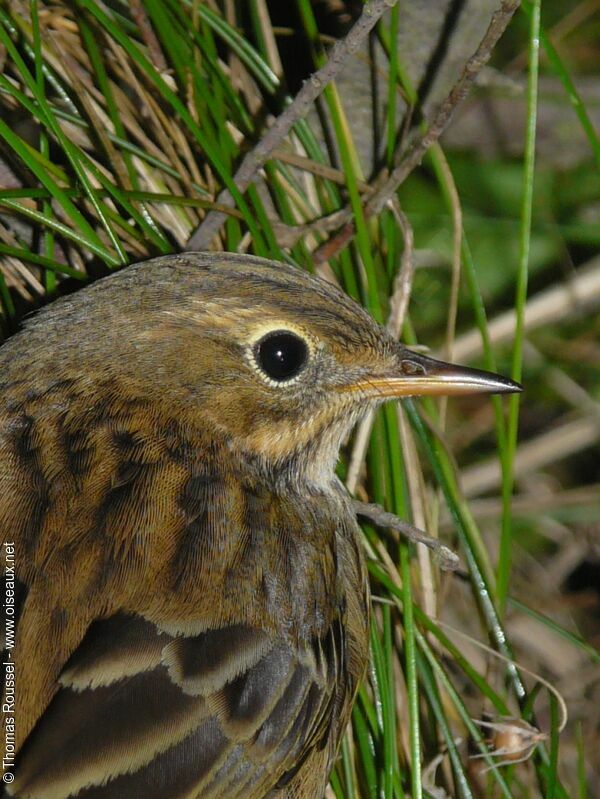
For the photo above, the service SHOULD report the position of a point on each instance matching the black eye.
(281, 355)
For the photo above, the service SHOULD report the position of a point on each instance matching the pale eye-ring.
(281, 355)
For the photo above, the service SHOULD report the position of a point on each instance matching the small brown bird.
(191, 595)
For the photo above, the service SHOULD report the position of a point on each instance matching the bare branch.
(448, 560)
(299, 108)
(414, 155)
(404, 277)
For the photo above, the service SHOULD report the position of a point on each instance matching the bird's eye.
(281, 355)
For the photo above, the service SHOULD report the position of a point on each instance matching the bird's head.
(274, 361)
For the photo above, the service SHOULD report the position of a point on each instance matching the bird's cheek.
(235, 410)
(235, 415)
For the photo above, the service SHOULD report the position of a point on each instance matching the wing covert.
(140, 713)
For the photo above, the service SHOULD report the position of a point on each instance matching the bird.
(191, 601)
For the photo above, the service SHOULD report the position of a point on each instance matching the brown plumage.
(193, 603)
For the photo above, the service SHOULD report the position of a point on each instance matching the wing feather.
(138, 709)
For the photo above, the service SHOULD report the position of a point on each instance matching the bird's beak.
(416, 375)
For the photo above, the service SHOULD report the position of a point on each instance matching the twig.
(316, 168)
(288, 235)
(414, 155)
(376, 514)
(533, 503)
(478, 60)
(565, 438)
(578, 295)
(299, 108)
(404, 277)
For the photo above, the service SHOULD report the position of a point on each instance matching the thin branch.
(448, 560)
(299, 108)
(414, 155)
(563, 439)
(404, 277)
(576, 296)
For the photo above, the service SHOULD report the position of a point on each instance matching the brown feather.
(181, 630)
(194, 607)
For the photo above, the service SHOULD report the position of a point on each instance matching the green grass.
(123, 156)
